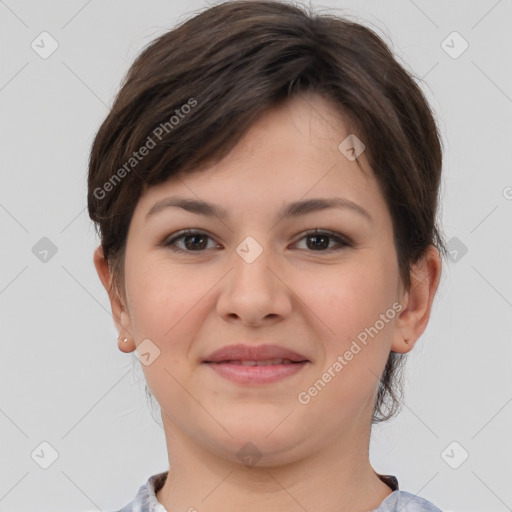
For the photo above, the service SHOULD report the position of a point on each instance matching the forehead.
(291, 152)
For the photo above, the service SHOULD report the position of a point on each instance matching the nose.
(254, 293)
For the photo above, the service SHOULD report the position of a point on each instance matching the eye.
(193, 241)
(197, 241)
(321, 241)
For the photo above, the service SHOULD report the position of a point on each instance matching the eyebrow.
(294, 209)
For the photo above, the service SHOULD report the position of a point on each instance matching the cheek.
(165, 304)
(354, 340)
(349, 298)
(164, 300)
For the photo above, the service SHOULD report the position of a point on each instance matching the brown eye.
(320, 241)
(189, 241)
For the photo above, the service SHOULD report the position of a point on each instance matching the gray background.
(62, 377)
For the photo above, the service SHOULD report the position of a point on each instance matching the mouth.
(264, 362)
(245, 364)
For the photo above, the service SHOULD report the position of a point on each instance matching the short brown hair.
(228, 65)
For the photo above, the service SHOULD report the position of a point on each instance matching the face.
(251, 276)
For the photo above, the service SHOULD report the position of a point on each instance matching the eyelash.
(342, 241)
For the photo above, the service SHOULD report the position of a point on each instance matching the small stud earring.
(124, 339)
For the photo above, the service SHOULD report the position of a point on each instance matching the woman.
(265, 188)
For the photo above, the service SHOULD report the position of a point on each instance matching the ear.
(417, 302)
(119, 311)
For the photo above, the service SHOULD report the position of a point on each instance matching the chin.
(252, 445)
(260, 453)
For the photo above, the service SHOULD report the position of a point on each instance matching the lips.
(250, 365)
(265, 362)
(261, 355)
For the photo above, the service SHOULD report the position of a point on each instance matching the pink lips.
(261, 364)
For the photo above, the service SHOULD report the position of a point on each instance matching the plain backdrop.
(63, 381)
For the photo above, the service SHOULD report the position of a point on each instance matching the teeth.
(266, 362)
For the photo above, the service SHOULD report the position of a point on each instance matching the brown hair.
(194, 91)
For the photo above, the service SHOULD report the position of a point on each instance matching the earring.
(124, 339)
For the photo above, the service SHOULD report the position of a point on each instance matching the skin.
(314, 301)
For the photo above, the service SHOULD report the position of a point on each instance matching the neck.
(339, 478)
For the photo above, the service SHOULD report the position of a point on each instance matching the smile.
(266, 362)
(257, 372)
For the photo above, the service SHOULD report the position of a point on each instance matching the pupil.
(319, 245)
(194, 237)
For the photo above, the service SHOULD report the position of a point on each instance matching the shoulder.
(145, 500)
(406, 502)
